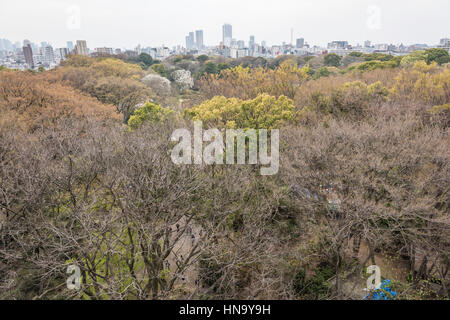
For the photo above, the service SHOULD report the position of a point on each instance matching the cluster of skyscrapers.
(32, 56)
(195, 42)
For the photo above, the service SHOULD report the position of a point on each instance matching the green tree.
(439, 55)
(332, 60)
(210, 68)
(146, 59)
(203, 58)
(322, 72)
(160, 69)
(355, 54)
(149, 112)
(414, 57)
(222, 66)
(377, 56)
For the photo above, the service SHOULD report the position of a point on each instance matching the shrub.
(149, 112)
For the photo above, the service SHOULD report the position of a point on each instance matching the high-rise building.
(48, 54)
(227, 32)
(367, 44)
(190, 41)
(81, 48)
(241, 44)
(300, 43)
(251, 43)
(28, 53)
(62, 53)
(199, 39)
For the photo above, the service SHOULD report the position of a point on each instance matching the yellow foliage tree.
(429, 84)
(263, 112)
(117, 68)
(248, 83)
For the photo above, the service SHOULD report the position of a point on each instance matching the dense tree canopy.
(332, 60)
(86, 178)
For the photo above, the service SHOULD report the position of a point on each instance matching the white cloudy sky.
(152, 23)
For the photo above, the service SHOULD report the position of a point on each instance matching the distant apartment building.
(130, 53)
(190, 41)
(199, 39)
(81, 48)
(338, 45)
(163, 52)
(62, 53)
(104, 51)
(300, 43)
(445, 42)
(48, 54)
(227, 34)
(28, 53)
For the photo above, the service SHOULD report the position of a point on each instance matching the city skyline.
(125, 27)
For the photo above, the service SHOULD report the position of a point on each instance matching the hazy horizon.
(104, 23)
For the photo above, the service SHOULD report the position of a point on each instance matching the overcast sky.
(121, 23)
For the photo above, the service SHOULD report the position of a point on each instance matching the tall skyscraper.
(199, 39)
(28, 53)
(300, 43)
(251, 43)
(81, 48)
(227, 32)
(190, 41)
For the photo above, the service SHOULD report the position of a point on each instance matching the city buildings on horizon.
(29, 55)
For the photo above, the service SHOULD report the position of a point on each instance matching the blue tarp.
(384, 293)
